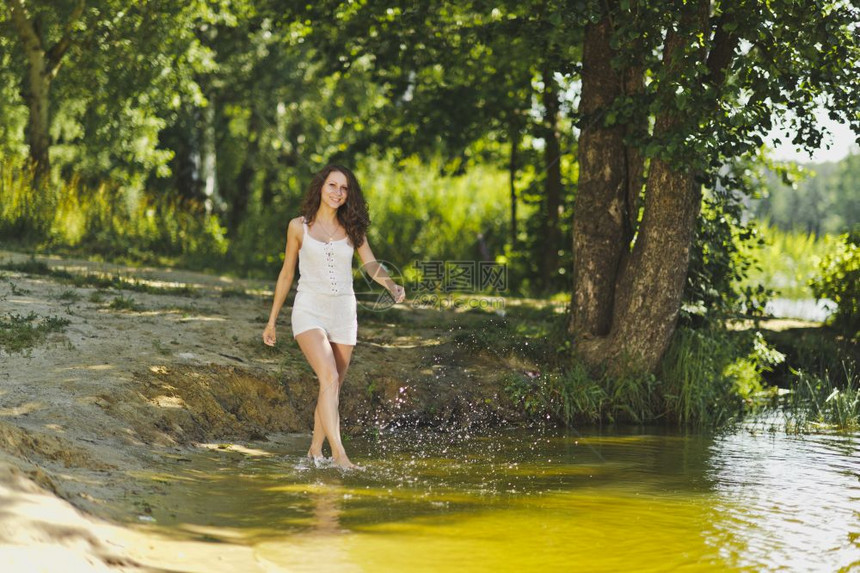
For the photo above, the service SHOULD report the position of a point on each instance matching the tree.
(45, 36)
(675, 91)
(457, 74)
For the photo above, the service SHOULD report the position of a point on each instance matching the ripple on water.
(649, 500)
(788, 501)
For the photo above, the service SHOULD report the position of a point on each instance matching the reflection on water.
(789, 500)
(650, 500)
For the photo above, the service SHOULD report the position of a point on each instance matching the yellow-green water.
(649, 500)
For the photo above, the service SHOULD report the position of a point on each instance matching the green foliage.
(453, 73)
(787, 261)
(818, 199)
(720, 262)
(26, 214)
(839, 281)
(113, 222)
(419, 214)
(20, 333)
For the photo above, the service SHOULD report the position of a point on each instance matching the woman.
(323, 240)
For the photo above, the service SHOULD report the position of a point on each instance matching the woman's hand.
(398, 293)
(269, 336)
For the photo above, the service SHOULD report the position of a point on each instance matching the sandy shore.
(135, 375)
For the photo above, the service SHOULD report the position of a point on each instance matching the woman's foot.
(343, 463)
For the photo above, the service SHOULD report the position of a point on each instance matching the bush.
(839, 281)
(420, 215)
(25, 215)
(114, 222)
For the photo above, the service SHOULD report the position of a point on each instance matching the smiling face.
(334, 190)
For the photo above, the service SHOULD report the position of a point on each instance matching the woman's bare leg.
(321, 357)
(342, 356)
(318, 437)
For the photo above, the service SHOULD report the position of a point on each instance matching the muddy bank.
(150, 361)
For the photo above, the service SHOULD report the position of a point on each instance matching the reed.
(817, 402)
(697, 389)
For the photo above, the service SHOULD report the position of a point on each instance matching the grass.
(69, 295)
(698, 390)
(788, 261)
(122, 302)
(819, 381)
(708, 378)
(575, 396)
(20, 333)
(16, 290)
(816, 402)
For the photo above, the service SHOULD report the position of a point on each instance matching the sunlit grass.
(788, 261)
(817, 402)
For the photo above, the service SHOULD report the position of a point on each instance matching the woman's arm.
(285, 278)
(378, 273)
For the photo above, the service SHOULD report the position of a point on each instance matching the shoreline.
(165, 360)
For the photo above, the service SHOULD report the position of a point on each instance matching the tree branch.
(57, 51)
(721, 55)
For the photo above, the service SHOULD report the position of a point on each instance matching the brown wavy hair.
(352, 214)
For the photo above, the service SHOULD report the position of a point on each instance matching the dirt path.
(166, 360)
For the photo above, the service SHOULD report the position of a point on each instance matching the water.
(649, 500)
(803, 309)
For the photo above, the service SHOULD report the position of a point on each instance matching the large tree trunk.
(600, 211)
(626, 304)
(552, 183)
(37, 96)
(649, 293)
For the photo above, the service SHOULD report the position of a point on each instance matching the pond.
(649, 499)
